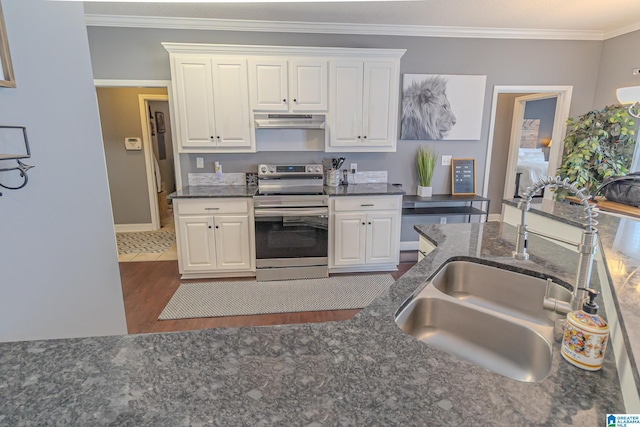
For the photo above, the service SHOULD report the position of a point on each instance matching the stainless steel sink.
(497, 289)
(486, 315)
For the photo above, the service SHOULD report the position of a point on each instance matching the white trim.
(409, 246)
(143, 103)
(132, 228)
(562, 113)
(166, 22)
(495, 217)
(229, 49)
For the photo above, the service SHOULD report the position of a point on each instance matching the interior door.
(516, 136)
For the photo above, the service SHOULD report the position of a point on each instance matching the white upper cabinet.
(364, 106)
(193, 98)
(217, 88)
(297, 85)
(211, 99)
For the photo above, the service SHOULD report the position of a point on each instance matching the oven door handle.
(291, 212)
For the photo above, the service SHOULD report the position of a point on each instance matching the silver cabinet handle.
(368, 204)
(211, 209)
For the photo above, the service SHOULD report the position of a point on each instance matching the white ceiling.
(609, 18)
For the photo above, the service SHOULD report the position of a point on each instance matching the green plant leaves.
(599, 144)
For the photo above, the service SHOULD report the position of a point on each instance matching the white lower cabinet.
(365, 232)
(215, 237)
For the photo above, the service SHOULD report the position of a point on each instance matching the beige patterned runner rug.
(237, 298)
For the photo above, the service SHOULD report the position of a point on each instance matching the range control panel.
(289, 170)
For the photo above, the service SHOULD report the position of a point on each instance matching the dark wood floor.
(148, 286)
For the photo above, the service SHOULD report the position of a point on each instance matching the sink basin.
(497, 289)
(489, 316)
(498, 344)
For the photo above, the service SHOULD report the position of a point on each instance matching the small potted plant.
(426, 164)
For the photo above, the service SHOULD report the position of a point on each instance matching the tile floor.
(170, 254)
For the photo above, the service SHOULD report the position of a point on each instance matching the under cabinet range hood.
(289, 121)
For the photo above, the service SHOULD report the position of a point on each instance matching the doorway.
(506, 131)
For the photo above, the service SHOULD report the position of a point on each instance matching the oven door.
(291, 237)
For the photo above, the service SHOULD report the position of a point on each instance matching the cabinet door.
(231, 99)
(194, 101)
(232, 242)
(376, 103)
(350, 232)
(346, 103)
(196, 244)
(308, 86)
(382, 231)
(269, 79)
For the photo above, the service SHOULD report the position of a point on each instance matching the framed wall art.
(442, 107)
(6, 69)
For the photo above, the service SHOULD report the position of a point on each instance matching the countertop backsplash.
(198, 179)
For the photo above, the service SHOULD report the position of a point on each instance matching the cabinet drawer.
(211, 206)
(366, 203)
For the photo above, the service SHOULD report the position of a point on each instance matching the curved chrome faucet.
(587, 246)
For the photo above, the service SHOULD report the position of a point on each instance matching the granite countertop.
(215, 191)
(619, 239)
(204, 191)
(371, 189)
(363, 371)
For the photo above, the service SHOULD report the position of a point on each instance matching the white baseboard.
(370, 268)
(409, 246)
(129, 228)
(495, 217)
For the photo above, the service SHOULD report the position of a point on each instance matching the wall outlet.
(443, 220)
(354, 167)
(200, 162)
(446, 160)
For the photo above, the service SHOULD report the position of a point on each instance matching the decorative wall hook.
(14, 145)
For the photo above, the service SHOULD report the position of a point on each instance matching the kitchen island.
(364, 371)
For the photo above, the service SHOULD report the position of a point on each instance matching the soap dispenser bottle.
(585, 335)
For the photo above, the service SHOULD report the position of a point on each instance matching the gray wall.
(619, 58)
(505, 62)
(120, 118)
(58, 271)
(500, 152)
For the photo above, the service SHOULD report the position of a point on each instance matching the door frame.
(563, 105)
(143, 104)
(516, 132)
(153, 197)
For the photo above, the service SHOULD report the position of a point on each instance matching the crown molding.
(620, 31)
(176, 23)
(280, 50)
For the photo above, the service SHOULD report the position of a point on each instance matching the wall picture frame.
(7, 78)
(442, 107)
(463, 177)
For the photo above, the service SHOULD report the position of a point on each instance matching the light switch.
(199, 162)
(446, 160)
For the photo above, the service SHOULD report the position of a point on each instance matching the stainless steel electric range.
(291, 223)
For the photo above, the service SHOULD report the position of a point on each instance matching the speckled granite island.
(364, 371)
(619, 239)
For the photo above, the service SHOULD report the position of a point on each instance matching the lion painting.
(426, 112)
